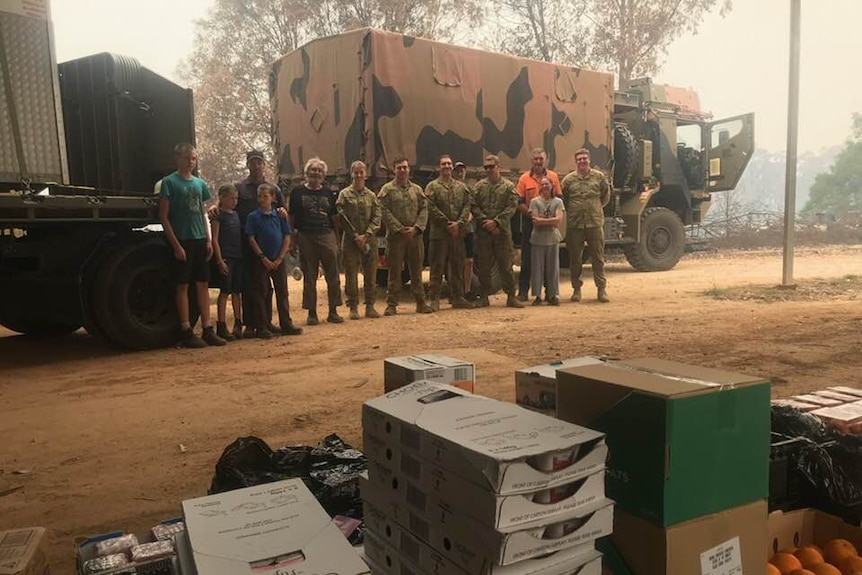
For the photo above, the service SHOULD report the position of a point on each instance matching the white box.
(487, 507)
(497, 445)
(396, 548)
(276, 528)
(817, 400)
(24, 551)
(401, 371)
(473, 546)
(846, 390)
(837, 395)
(536, 387)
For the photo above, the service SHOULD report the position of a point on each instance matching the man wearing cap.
(494, 203)
(528, 188)
(449, 211)
(585, 194)
(460, 174)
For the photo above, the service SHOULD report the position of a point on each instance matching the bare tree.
(549, 30)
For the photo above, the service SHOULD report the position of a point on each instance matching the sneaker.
(522, 296)
(237, 330)
(333, 317)
(512, 301)
(554, 300)
(222, 332)
(190, 340)
(248, 332)
(603, 295)
(354, 312)
(537, 301)
(312, 320)
(390, 310)
(290, 329)
(576, 294)
(370, 312)
(210, 338)
(263, 333)
(273, 328)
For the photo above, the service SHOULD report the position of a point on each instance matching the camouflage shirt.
(447, 202)
(361, 208)
(585, 198)
(401, 207)
(495, 202)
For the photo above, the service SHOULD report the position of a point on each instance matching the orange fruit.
(837, 550)
(809, 556)
(772, 569)
(801, 572)
(850, 564)
(786, 563)
(825, 569)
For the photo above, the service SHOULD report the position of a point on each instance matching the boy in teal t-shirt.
(181, 212)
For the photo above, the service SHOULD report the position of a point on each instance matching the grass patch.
(848, 287)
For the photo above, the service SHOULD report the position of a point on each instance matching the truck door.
(729, 144)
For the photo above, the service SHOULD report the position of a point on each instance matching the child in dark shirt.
(227, 258)
(270, 239)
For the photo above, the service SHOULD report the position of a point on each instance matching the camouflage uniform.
(585, 198)
(403, 206)
(447, 202)
(496, 202)
(362, 212)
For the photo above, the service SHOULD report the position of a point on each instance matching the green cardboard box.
(684, 441)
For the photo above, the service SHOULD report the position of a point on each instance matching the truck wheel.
(34, 327)
(625, 155)
(134, 297)
(662, 241)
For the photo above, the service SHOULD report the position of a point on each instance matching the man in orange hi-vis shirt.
(528, 188)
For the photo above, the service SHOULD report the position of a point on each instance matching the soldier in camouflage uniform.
(494, 203)
(449, 211)
(405, 215)
(359, 211)
(585, 194)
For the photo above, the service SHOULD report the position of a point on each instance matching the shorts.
(196, 268)
(230, 283)
(470, 245)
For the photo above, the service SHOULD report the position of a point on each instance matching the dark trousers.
(316, 250)
(262, 278)
(250, 291)
(526, 255)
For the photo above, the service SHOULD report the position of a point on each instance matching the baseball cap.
(491, 160)
(460, 165)
(250, 155)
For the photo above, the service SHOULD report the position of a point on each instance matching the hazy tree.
(839, 190)
(628, 37)
(236, 43)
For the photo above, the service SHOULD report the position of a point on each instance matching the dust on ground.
(92, 434)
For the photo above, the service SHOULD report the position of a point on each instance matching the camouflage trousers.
(495, 248)
(447, 256)
(594, 238)
(401, 250)
(354, 261)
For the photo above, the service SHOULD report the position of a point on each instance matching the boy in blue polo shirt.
(269, 237)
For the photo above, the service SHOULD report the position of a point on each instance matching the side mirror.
(723, 137)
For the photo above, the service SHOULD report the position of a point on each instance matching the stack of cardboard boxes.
(839, 407)
(461, 484)
(688, 465)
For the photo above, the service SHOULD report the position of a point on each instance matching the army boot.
(483, 301)
(422, 307)
(391, 309)
(312, 318)
(237, 330)
(333, 316)
(462, 303)
(370, 312)
(354, 312)
(435, 305)
(512, 301)
(210, 338)
(603, 295)
(576, 294)
(222, 332)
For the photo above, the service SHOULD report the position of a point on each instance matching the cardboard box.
(846, 390)
(728, 543)
(487, 507)
(497, 445)
(669, 427)
(807, 526)
(396, 548)
(800, 405)
(817, 400)
(536, 387)
(274, 528)
(842, 397)
(473, 546)
(23, 552)
(400, 371)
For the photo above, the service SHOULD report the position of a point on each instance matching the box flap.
(549, 370)
(435, 359)
(693, 372)
(22, 551)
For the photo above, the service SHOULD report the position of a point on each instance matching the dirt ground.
(92, 434)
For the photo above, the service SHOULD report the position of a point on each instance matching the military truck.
(81, 146)
(372, 95)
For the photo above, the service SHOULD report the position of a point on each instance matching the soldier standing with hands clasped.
(494, 203)
(405, 215)
(449, 211)
(585, 194)
(360, 213)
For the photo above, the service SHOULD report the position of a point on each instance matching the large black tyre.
(625, 155)
(34, 327)
(133, 299)
(662, 241)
